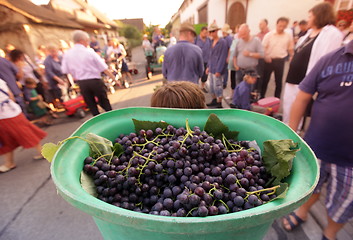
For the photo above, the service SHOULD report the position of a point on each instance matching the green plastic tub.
(118, 223)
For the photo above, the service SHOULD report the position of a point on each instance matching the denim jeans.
(216, 84)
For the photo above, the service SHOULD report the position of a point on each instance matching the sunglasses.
(212, 31)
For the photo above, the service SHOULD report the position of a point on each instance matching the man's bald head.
(244, 31)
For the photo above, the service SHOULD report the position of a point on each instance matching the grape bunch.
(181, 172)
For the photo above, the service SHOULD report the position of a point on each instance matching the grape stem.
(224, 205)
(273, 189)
(191, 211)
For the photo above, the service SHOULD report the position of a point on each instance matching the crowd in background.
(210, 60)
(319, 55)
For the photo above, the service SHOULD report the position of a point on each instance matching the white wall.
(273, 9)
(191, 10)
(216, 11)
(257, 10)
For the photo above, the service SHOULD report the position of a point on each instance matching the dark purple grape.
(181, 212)
(265, 197)
(230, 179)
(187, 171)
(238, 201)
(252, 199)
(244, 182)
(167, 193)
(202, 211)
(207, 198)
(216, 171)
(199, 191)
(222, 209)
(248, 205)
(255, 169)
(218, 194)
(183, 198)
(213, 210)
(157, 207)
(88, 160)
(168, 203)
(194, 200)
(158, 168)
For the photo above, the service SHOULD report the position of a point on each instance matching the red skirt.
(18, 131)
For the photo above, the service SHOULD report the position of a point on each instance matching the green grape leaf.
(216, 128)
(49, 150)
(99, 145)
(278, 157)
(88, 184)
(147, 125)
(118, 149)
(281, 192)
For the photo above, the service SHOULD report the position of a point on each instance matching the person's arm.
(235, 63)
(11, 96)
(123, 51)
(265, 45)
(222, 58)
(200, 63)
(298, 109)
(109, 73)
(291, 48)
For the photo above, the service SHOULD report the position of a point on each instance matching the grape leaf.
(88, 184)
(281, 192)
(216, 127)
(49, 150)
(99, 145)
(147, 125)
(278, 158)
(118, 149)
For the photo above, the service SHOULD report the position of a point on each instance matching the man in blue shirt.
(183, 61)
(330, 135)
(205, 44)
(216, 64)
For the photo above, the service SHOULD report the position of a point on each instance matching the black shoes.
(213, 103)
(232, 105)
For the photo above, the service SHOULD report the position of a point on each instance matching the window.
(203, 18)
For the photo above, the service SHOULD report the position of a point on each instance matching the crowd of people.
(318, 80)
(37, 89)
(319, 56)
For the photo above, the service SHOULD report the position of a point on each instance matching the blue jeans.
(225, 78)
(216, 84)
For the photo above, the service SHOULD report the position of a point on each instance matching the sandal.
(4, 169)
(324, 238)
(291, 223)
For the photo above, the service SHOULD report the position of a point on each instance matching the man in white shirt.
(86, 67)
(278, 44)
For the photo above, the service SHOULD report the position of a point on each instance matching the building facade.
(236, 12)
